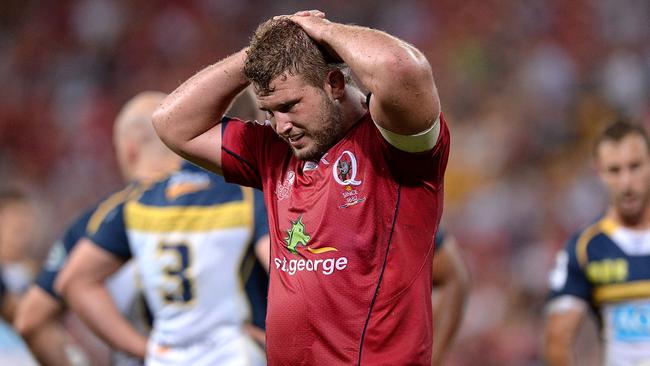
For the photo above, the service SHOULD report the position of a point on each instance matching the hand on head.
(312, 21)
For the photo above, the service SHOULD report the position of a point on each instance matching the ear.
(335, 83)
(132, 152)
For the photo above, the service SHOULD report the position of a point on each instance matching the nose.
(626, 177)
(283, 124)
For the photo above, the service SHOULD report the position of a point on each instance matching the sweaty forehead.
(281, 89)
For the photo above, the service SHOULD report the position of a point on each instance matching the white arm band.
(419, 142)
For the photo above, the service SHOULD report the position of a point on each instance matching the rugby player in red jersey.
(353, 184)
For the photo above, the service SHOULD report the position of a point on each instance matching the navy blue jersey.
(608, 267)
(604, 263)
(59, 252)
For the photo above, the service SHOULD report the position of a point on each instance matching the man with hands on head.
(353, 184)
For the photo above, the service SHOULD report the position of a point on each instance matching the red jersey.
(351, 244)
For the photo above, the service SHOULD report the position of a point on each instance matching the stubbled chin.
(306, 153)
(630, 211)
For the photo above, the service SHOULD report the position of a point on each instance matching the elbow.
(158, 118)
(408, 65)
(168, 132)
(23, 326)
(409, 84)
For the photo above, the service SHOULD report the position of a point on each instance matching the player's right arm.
(82, 284)
(82, 281)
(188, 120)
(570, 295)
(560, 333)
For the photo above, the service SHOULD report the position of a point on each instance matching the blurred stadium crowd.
(525, 85)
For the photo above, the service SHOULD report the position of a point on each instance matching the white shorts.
(228, 348)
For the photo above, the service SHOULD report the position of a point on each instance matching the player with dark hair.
(353, 184)
(606, 266)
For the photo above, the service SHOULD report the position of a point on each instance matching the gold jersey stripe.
(604, 225)
(622, 291)
(583, 242)
(110, 203)
(187, 218)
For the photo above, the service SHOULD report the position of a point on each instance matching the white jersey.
(189, 236)
(608, 267)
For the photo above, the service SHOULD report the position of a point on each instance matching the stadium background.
(525, 85)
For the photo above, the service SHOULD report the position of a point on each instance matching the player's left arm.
(405, 100)
(82, 285)
(37, 320)
(451, 282)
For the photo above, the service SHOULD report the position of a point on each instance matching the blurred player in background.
(606, 267)
(141, 159)
(190, 235)
(17, 234)
(450, 289)
(353, 183)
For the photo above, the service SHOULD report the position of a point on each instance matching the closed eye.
(286, 108)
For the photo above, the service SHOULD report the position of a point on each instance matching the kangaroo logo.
(296, 236)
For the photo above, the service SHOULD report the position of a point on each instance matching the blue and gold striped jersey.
(608, 266)
(191, 235)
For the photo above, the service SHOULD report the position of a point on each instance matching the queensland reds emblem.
(345, 170)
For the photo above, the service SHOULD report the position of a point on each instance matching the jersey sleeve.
(568, 277)
(59, 253)
(240, 157)
(428, 166)
(261, 218)
(110, 233)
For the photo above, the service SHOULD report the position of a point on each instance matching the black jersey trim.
(381, 274)
(244, 161)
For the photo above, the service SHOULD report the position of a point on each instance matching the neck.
(353, 106)
(154, 169)
(640, 223)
